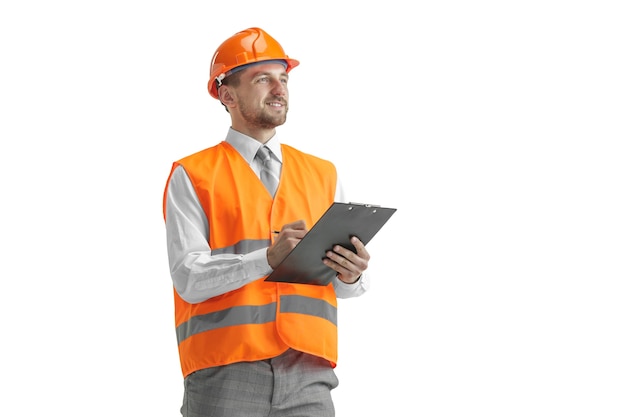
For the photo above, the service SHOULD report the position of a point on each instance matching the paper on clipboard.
(337, 225)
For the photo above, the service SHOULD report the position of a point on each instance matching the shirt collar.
(248, 146)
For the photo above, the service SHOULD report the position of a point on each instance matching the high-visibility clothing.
(261, 319)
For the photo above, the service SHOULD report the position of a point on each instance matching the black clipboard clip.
(363, 204)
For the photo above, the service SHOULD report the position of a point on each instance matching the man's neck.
(262, 135)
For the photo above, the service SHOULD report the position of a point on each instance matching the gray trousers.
(293, 384)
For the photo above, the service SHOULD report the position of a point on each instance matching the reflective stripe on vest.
(256, 315)
(243, 246)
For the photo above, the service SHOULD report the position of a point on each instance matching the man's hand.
(348, 265)
(285, 241)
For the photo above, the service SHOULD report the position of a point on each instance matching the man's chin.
(275, 122)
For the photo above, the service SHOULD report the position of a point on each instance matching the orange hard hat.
(245, 47)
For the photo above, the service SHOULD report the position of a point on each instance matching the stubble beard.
(262, 118)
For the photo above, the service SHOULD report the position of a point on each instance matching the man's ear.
(226, 96)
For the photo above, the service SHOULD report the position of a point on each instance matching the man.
(249, 347)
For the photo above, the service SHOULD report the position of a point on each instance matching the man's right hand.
(284, 241)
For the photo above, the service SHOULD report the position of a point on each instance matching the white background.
(496, 128)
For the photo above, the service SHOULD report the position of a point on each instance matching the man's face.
(262, 96)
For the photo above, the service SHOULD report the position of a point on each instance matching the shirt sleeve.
(196, 273)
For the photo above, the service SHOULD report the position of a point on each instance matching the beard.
(262, 118)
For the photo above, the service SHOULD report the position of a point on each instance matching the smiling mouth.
(277, 103)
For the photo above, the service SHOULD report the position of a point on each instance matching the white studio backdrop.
(496, 128)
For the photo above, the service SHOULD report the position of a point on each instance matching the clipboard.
(341, 221)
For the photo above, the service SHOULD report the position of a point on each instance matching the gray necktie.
(270, 169)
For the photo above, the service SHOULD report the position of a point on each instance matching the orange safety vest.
(261, 319)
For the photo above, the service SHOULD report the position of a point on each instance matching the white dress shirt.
(198, 274)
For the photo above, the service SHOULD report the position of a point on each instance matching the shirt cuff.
(257, 260)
